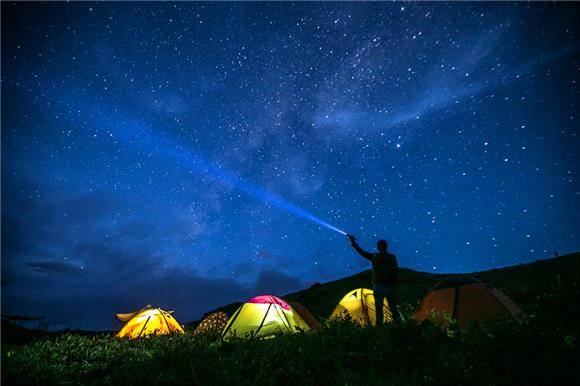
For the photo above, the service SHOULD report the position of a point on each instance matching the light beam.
(143, 137)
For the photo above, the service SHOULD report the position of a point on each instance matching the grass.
(542, 350)
(497, 353)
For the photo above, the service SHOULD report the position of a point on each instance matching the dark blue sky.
(131, 134)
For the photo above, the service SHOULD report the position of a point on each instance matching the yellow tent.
(148, 321)
(263, 320)
(359, 305)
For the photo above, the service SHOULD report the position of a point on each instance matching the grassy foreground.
(497, 353)
(542, 350)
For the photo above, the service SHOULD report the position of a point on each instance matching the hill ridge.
(542, 274)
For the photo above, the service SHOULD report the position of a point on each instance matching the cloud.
(265, 254)
(114, 279)
(127, 263)
(276, 283)
(57, 267)
(91, 300)
(13, 240)
(475, 64)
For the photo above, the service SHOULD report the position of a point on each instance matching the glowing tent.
(359, 306)
(148, 321)
(264, 317)
(466, 300)
(270, 299)
(213, 323)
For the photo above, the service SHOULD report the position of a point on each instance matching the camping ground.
(541, 350)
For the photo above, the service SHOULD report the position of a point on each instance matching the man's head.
(382, 245)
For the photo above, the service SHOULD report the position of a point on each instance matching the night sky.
(147, 148)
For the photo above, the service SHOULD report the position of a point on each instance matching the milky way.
(132, 133)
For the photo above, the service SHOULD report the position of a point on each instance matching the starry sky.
(172, 154)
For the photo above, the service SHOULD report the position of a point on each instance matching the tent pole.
(263, 320)
(233, 319)
(165, 319)
(144, 325)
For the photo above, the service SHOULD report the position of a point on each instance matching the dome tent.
(214, 323)
(148, 321)
(359, 306)
(264, 317)
(466, 300)
(306, 315)
(270, 299)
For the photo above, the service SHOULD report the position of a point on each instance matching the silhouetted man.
(385, 270)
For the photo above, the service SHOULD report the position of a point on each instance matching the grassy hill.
(542, 350)
(523, 283)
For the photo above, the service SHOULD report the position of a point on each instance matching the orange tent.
(466, 300)
(306, 315)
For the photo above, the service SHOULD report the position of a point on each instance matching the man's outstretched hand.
(351, 238)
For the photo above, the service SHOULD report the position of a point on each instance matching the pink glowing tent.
(270, 299)
(264, 316)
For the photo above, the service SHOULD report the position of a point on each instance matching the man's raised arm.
(362, 252)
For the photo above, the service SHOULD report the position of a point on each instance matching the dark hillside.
(524, 283)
